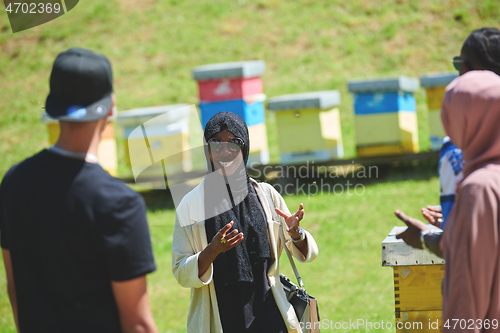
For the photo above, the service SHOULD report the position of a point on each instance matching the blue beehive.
(373, 103)
(236, 87)
(385, 116)
(252, 113)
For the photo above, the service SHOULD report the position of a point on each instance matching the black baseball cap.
(81, 86)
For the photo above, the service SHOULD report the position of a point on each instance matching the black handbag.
(298, 297)
(304, 305)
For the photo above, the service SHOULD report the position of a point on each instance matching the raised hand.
(411, 236)
(225, 240)
(293, 221)
(222, 242)
(434, 215)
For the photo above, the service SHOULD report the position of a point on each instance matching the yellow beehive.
(400, 134)
(141, 150)
(417, 285)
(308, 126)
(434, 97)
(106, 152)
(435, 86)
(159, 143)
(259, 150)
(436, 128)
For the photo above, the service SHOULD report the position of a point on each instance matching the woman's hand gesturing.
(224, 240)
(293, 221)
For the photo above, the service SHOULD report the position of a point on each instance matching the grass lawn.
(308, 45)
(347, 277)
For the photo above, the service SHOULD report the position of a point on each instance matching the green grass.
(347, 277)
(307, 45)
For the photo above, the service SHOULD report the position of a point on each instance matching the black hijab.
(239, 203)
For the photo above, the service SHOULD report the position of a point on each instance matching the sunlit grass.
(347, 277)
(307, 45)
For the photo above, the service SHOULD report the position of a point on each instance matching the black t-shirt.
(71, 229)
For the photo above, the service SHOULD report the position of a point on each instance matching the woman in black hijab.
(241, 252)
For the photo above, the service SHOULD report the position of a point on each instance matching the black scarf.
(233, 198)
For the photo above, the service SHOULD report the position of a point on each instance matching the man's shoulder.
(112, 190)
(22, 166)
(9, 174)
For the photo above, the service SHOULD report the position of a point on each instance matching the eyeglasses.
(457, 62)
(234, 145)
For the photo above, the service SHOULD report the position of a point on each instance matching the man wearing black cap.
(75, 241)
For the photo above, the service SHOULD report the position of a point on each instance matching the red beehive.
(229, 81)
(229, 88)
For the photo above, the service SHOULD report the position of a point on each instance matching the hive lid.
(395, 252)
(136, 117)
(437, 79)
(244, 69)
(310, 100)
(401, 83)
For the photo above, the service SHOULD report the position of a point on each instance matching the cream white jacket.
(190, 239)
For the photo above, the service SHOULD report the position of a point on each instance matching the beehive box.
(229, 88)
(418, 276)
(251, 112)
(259, 149)
(385, 116)
(308, 126)
(157, 141)
(106, 151)
(435, 85)
(229, 81)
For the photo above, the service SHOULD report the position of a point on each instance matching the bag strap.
(282, 234)
(290, 258)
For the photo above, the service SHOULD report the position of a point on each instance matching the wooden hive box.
(236, 87)
(106, 151)
(229, 81)
(308, 126)
(252, 111)
(385, 118)
(157, 140)
(259, 149)
(435, 85)
(418, 277)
